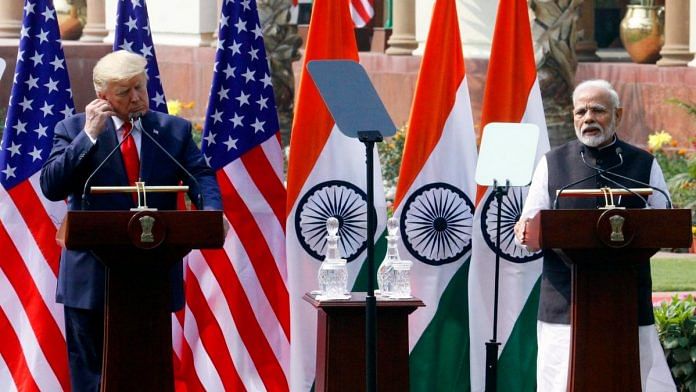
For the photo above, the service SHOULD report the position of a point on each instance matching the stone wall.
(186, 74)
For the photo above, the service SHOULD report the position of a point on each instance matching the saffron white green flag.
(435, 210)
(512, 95)
(326, 177)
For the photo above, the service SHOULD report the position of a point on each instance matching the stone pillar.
(10, 18)
(586, 47)
(174, 22)
(95, 28)
(692, 31)
(676, 49)
(403, 38)
(424, 14)
(217, 23)
(476, 26)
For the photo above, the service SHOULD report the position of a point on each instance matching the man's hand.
(521, 234)
(521, 231)
(96, 114)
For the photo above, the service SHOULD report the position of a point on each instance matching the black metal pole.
(369, 138)
(493, 344)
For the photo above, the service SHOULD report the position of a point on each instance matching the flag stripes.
(37, 221)
(212, 336)
(196, 367)
(5, 376)
(11, 352)
(259, 254)
(361, 11)
(27, 238)
(236, 326)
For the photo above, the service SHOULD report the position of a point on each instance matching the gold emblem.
(146, 223)
(616, 223)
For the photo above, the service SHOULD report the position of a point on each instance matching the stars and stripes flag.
(133, 34)
(512, 95)
(234, 333)
(434, 205)
(33, 355)
(362, 11)
(326, 177)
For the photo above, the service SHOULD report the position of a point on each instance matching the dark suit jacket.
(74, 157)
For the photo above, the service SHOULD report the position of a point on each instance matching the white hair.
(117, 66)
(598, 83)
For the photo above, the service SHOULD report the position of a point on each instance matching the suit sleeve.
(207, 184)
(65, 168)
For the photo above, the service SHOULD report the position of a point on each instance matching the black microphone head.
(135, 116)
(619, 151)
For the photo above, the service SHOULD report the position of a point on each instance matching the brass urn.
(642, 32)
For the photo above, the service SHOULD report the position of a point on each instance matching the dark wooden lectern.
(138, 249)
(603, 248)
(341, 343)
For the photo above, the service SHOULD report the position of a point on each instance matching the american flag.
(33, 355)
(362, 11)
(235, 329)
(133, 34)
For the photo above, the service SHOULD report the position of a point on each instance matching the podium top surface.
(612, 228)
(357, 300)
(104, 229)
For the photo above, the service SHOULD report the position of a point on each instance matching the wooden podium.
(138, 249)
(603, 248)
(341, 343)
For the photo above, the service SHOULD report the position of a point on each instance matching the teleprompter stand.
(359, 113)
(507, 152)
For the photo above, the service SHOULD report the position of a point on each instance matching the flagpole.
(493, 344)
(369, 138)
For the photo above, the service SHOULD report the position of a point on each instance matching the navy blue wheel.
(436, 224)
(339, 199)
(511, 210)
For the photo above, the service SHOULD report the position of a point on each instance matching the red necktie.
(129, 152)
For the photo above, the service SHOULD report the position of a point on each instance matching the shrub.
(676, 327)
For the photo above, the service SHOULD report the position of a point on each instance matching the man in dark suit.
(80, 144)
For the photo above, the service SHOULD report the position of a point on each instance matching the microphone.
(85, 201)
(136, 120)
(600, 172)
(641, 183)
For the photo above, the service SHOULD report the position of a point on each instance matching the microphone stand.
(493, 344)
(85, 201)
(137, 122)
(369, 138)
(601, 173)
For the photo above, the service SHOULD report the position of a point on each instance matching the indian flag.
(512, 95)
(434, 206)
(326, 177)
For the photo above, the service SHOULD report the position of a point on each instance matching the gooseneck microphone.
(136, 120)
(641, 183)
(600, 172)
(85, 201)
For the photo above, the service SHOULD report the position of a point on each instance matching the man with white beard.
(596, 115)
